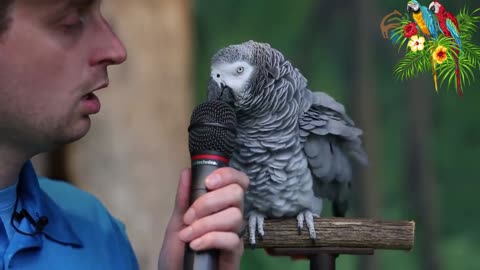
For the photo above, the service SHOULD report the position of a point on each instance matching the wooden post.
(322, 261)
(339, 233)
(335, 236)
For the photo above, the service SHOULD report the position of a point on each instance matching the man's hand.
(212, 222)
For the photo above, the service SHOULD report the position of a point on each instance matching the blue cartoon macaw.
(424, 18)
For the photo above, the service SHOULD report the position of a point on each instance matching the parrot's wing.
(454, 31)
(331, 140)
(430, 21)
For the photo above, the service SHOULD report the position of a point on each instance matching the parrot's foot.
(307, 216)
(255, 224)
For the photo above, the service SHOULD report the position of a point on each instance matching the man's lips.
(90, 104)
(100, 86)
(90, 101)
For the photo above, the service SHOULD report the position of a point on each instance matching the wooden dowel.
(338, 233)
(292, 252)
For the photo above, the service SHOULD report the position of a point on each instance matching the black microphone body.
(211, 143)
(203, 164)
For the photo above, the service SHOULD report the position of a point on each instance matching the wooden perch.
(338, 233)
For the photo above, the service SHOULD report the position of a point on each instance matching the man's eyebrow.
(60, 5)
(54, 10)
(80, 3)
(65, 3)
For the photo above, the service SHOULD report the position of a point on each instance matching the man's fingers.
(226, 241)
(230, 219)
(214, 201)
(225, 176)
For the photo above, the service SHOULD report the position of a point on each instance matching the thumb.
(182, 198)
(171, 254)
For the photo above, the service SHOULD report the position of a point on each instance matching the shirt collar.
(39, 204)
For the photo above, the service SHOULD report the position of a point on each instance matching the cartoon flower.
(416, 43)
(410, 29)
(440, 54)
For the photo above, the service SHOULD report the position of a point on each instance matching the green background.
(321, 38)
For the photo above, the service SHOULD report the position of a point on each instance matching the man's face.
(54, 55)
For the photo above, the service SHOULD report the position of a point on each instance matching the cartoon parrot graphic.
(449, 26)
(425, 20)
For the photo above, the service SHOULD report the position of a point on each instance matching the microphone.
(38, 225)
(211, 143)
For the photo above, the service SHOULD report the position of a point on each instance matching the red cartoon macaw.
(449, 26)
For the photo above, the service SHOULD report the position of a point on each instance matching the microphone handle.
(203, 164)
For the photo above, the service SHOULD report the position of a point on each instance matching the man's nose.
(110, 49)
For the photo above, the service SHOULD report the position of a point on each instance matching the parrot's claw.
(255, 225)
(300, 219)
(307, 217)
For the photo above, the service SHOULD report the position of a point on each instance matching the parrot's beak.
(223, 86)
(226, 94)
(412, 6)
(218, 90)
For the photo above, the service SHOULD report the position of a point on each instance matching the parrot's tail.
(434, 73)
(340, 201)
(339, 208)
(457, 74)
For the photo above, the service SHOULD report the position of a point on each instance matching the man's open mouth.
(88, 96)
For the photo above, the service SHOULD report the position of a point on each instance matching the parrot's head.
(239, 72)
(413, 6)
(232, 71)
(435, 7)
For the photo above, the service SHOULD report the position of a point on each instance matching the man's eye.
(73, 24)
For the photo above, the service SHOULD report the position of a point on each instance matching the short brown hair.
(4, 14)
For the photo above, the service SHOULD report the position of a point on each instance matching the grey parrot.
(296, 146)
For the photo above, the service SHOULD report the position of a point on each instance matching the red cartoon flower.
(410, 29)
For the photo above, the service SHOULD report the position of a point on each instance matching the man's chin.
(76, 133)
(60, 137)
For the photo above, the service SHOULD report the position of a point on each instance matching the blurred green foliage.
(288, 26)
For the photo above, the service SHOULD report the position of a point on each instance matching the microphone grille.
(212, 128)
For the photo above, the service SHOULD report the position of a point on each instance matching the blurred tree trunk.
(421, 184)
(137, 145)
(363, 100)
(307, 41)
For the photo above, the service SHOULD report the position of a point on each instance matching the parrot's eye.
(239, 69)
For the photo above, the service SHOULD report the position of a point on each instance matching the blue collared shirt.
(80, 234)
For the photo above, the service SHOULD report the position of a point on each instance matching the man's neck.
(11, 163)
